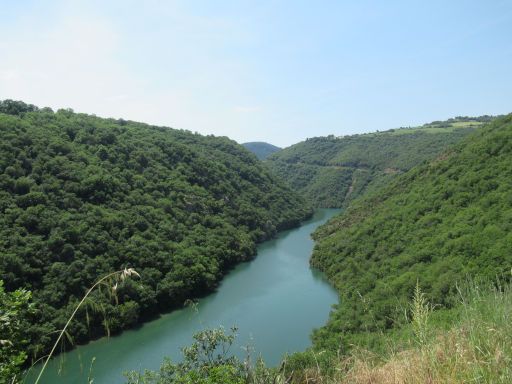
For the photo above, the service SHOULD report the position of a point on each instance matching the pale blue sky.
(276, 71)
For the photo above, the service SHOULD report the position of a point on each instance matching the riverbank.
(275, 300)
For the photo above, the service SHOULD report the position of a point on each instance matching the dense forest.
(82, 196)
(436, 225)
(260, 149)
(331, 171)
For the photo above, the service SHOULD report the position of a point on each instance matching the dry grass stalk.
(122, 275)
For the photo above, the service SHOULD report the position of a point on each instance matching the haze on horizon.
(274, 71)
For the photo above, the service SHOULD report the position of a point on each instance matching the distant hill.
(82, 196)
(331, 171)
(260, 149)
(436, 224)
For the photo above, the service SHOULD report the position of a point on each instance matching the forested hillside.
(331, 171)
(82, 196)
(436, 224)
(260, 149)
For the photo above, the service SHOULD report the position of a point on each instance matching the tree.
(14, 308)
(207, 361)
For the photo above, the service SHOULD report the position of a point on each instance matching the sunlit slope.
(435, 224)
(331, 171)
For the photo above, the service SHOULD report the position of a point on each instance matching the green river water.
(276, 300)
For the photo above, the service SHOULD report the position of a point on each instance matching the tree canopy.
(81, 196)
(436, 224)
(15, 308)
(260, 149)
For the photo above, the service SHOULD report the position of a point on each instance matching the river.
(275, 300)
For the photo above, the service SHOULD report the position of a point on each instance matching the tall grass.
(476, 347)
(112, 281)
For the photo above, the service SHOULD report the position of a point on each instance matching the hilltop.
(260, 149)
(332, 171)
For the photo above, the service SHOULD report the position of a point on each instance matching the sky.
(277, 71)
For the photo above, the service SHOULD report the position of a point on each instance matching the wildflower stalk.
(122, 274)
(420, 314)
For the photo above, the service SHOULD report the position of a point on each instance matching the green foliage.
(14, 312)
(332, 171)
(206, 361)
(420, 310)
(81, 196)
(13, 107)
(436, 223)
(260, 149)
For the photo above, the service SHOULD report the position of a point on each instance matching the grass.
(476, 347)
(429, 128)
(434, 129)
(465, 124)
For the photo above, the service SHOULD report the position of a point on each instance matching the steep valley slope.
(332, 171)
(434, 225)
(82, 196)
